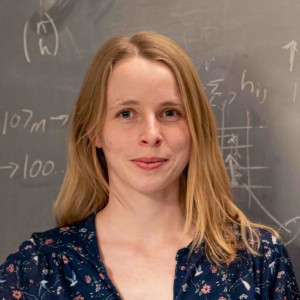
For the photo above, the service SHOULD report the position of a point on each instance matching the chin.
(152, 189)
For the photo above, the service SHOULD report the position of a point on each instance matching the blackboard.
(246, 53)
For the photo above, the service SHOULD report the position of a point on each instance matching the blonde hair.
(205, 194)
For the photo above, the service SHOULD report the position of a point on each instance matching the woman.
(146, 195)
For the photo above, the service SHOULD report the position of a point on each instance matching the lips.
(149, 163)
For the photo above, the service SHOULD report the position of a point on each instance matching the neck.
(140, 218)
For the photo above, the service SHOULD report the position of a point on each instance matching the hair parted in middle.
(205, 193)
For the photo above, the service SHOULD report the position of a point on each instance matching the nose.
(151, 132)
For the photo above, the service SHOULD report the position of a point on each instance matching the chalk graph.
(237, 160)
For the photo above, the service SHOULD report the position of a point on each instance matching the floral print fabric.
(63, 263)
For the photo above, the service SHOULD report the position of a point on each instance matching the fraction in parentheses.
(42, 27)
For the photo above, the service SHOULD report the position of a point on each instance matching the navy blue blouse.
(63, 263)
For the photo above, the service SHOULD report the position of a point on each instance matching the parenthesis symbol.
(55, 33)
(25, 42)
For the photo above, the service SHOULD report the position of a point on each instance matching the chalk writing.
(275, 220)
(208, 63)
(253, 88)
(63, 118)
(24, 120)
(232, 97)
(239, 169)
(215, 91)
(215, 84)
(292, 46)
(30, 169)
(42, 29)
(287, 223)
(239, 173)
(295, 92)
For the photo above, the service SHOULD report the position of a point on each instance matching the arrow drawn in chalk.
(63, 118)
(293, 49)
(233, 140)
(13, 166)
(233, 165)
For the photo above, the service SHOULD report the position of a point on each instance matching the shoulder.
(56, 240)
(271, 250)
(271, 268)
(269, 242)
(49, 262)
(265, 242)
(271, 247)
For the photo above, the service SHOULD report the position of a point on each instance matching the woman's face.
(145, 137)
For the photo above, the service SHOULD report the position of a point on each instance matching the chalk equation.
(260, 94)
(25, 119)
(215, 91)
(235, 140)
(46, 46)
(29, 168)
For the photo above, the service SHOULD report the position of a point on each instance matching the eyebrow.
(136, 102)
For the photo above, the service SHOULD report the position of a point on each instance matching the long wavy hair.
(205, 193)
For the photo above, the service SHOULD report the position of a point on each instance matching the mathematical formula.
(42, 29)
(25, 119)
(214, 91)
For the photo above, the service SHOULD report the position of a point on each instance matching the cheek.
(182, 141)
(116, 142)
(185, 137)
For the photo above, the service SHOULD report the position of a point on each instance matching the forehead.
(137, 66)
(140, 77)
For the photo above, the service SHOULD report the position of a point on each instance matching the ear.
(95, 139)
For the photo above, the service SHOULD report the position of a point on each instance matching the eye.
(171, 113)
(125, 114)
